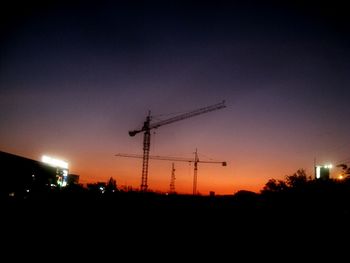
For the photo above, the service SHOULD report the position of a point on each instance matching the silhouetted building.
(20, 176)
(73, 179)
(99, 187)
(322, 172)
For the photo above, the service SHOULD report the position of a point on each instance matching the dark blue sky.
(75, 77)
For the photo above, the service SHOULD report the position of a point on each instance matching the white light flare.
(54, 162)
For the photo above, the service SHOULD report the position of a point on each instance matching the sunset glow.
(76, 79)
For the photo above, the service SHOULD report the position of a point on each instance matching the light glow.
(318, 172)
(54, 162)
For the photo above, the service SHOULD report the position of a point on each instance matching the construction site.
(148, 125)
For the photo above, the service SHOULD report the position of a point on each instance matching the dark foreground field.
(134, 210)
(245, 224)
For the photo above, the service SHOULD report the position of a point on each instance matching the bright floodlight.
(318, 172)
(54, 162)
(327, 166)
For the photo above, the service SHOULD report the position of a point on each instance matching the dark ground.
(138, 225)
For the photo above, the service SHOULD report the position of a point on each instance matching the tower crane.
(148, 126)
(177, 159)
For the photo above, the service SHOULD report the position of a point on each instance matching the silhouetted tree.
(345, 171)
(111, 185)
(298, 179)
(274, 185)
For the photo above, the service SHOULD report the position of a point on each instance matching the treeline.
(296, 194)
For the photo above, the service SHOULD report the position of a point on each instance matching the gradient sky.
(76, 76)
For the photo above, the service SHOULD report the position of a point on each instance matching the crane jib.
(188, 115)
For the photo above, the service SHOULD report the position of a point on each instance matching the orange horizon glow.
(75, 82)
(243, 172)
(210, 177)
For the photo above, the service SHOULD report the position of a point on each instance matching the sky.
(76, 76)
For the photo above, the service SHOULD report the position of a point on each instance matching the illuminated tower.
(322, 172)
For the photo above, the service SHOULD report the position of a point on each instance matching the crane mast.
(196, 160)
(172, 179)
(147, 126)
